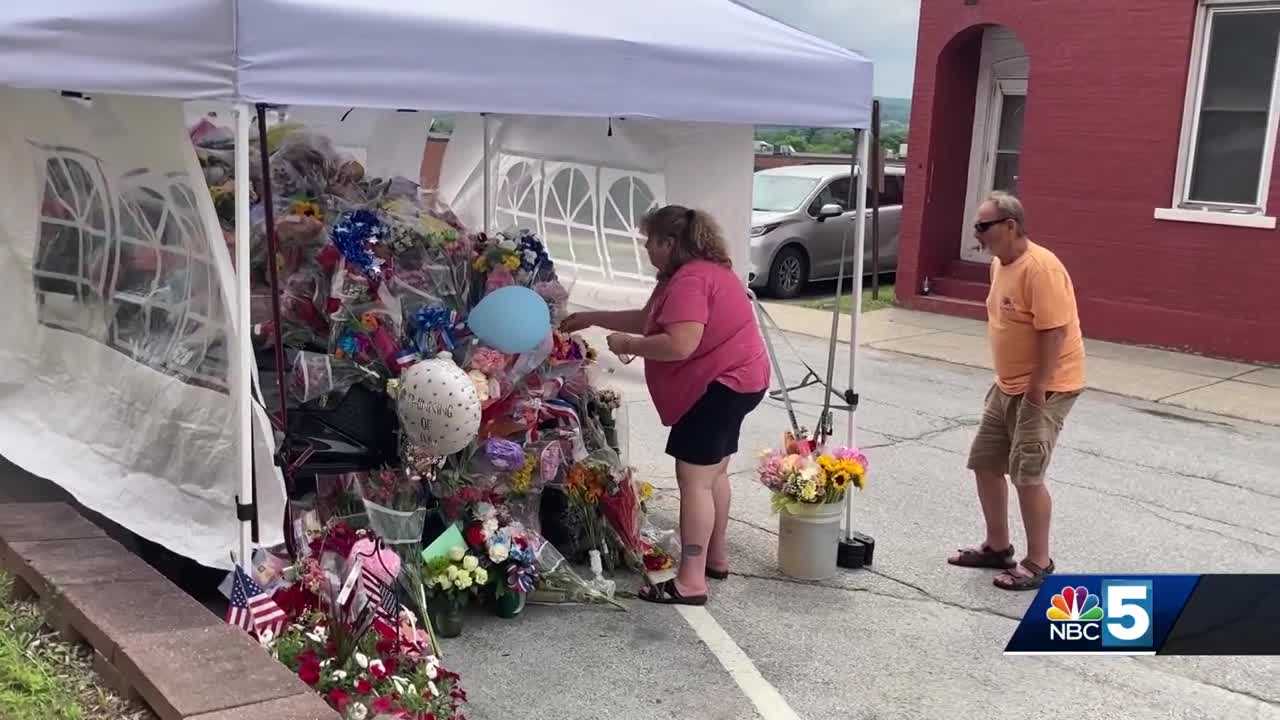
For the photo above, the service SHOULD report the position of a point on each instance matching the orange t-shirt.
(1030, 294)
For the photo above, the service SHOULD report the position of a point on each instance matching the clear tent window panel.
(72, 254)
(628, 199)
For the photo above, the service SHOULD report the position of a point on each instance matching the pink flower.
(499, 277)
(488, 361)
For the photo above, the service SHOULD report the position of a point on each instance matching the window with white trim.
(1229, 131)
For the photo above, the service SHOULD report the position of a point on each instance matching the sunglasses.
(985, 226)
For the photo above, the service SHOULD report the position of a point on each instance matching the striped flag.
(251, 608)
(381, 594)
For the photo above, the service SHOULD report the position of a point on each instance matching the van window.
(837, 191)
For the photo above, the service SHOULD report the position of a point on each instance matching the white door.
(996, 153)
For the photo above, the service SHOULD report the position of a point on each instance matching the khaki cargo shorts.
(1016, 437)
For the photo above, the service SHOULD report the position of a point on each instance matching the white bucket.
(808, 540)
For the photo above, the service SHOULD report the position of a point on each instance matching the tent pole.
(241, 330)
(485, 121)
(860, 238)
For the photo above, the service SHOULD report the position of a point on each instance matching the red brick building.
(1140, 134)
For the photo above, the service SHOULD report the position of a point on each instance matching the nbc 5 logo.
(1122, 619)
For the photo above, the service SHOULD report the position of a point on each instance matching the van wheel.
(789, 274)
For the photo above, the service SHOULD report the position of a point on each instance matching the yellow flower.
(511, 262)
(306, 209)
(646, 491)
(481, 264)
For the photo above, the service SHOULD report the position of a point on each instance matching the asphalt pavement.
(1138, 487)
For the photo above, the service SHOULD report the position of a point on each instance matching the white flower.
(326, 663)
(530, 257)
(484, 510)
(357, 711)
(432, 672)
(410, 689)
(451, 571)
(318, 636)
(398, 683)
(456, 553)
(435, 692)
(490, 527)
(507, 244)
(444, 582)
(471, 562)
(362, 660)
(376, 667)
(339, 675)
(463, 582)
(482, 576)
(499, 553)
(266, 638)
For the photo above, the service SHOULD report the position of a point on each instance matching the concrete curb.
(150, 639)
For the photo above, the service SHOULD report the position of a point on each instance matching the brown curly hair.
(692, 234)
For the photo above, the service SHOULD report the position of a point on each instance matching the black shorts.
(709, 432)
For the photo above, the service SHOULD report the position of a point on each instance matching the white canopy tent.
(693, 74)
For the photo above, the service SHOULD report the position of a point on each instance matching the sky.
(883, 30)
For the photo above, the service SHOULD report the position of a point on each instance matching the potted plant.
(454, 580)
(809, 484)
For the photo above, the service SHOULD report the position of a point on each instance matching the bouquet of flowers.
(454, 579)
(801, 473)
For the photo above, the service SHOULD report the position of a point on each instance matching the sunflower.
(306, 208)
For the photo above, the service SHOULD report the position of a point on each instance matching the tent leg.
(485, 121)
(860, 236)
(241, 333)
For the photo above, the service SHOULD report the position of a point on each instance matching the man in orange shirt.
(1039, 362)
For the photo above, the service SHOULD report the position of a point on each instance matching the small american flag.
(251, 608)
(380, 593)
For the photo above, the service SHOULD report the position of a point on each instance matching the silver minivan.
(793, 244)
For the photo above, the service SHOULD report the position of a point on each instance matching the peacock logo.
(1074, 605)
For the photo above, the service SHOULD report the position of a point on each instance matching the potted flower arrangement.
(809, 483)
(452, 581)
(505, 549)
(387, 672)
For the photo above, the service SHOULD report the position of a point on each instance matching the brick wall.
(1100, 150)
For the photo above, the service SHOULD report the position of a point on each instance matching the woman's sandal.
(985, 557)
(715, 574)
(665, 593)
(1024, 582)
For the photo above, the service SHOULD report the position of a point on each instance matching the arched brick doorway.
(973, 127)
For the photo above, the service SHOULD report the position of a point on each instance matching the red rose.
(475, 535)
(393, 665)
(383, 706)
(379, 669)
(338, 699)
(309, 672)
(363, 686)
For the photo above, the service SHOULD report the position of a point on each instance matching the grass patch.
(846, 301)
(44, 678)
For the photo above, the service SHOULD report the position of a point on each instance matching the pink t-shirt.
(732, 350)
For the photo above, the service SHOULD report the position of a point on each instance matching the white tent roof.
(701, 60)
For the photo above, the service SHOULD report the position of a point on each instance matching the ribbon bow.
(544, 404)
(433, 328)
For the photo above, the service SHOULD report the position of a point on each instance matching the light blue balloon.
(512, 319)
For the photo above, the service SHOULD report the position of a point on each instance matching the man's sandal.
(665, 593)
(1024, 582)
(715, 574)
(985, 557)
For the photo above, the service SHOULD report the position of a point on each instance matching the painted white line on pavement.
(765, 697)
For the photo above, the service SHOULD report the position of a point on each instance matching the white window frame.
(1184, 209)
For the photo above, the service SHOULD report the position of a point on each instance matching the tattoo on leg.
(691, 550)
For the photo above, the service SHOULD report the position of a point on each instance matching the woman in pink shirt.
(706, 368)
